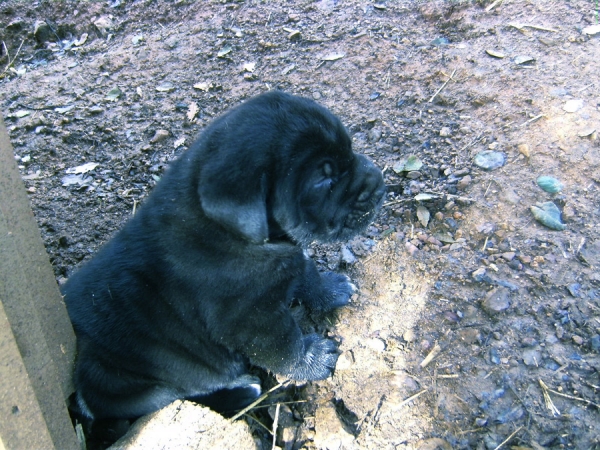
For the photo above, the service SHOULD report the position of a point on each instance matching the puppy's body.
(198, 283)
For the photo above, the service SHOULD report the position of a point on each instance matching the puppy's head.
(283, 166)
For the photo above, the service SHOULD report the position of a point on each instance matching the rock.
(177, 425)
(445, 132)
(159, 136)
(531, 357)
(469, 335)
(329, 430)
(376, 344)
(409, 335)
(464, 182)
(347, 256)
(489, 160)
(508, 256)
(524, 150)
(578, 340)
(595, 343)
(497, 301)
(42, 32)
(375, 135)
(528, 342)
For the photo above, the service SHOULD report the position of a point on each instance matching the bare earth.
(507, 310)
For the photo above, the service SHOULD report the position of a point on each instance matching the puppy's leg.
(237, 395)
(323, 291)
(104, 391)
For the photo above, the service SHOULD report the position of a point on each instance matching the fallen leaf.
(572, 106)
(79, 42)
(64, 109)
(113, 94)
(192, 111)
(423, 196)
(423, 215)
(165, 87)
(548, 214)
(84, 168)
(203, 86)
(591, 30)
(495, 54)
(523, 59)
(333, 56)
(224, 51)
(249, 67)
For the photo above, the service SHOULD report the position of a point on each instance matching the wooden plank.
(22, 424)
(33, 305)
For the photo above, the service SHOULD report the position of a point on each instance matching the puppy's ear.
(238, 202)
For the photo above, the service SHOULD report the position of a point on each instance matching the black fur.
(198, 284)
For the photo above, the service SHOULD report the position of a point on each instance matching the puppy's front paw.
(319, 359)
(337, 290)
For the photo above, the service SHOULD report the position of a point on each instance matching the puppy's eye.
(327, 170)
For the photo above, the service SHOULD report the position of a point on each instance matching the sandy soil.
(475, 326)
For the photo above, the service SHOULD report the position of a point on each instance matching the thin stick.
(549, 404)
(432, 354)
(410, 399)
(258, 400)
(492, 6)
(570, 396)
(443, 86)
(533, 119)
(275, 425)
(509, 438)
(13, 60)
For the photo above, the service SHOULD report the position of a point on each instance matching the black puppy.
(198, 284)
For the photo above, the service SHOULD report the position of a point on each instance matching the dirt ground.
(475, 325)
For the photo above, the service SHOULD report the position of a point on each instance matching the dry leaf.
(192, 111)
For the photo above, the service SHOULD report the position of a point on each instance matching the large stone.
(184, 424)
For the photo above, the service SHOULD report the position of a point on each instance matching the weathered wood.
(39, 324)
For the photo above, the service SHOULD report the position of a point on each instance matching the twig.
(509, 438)
(432, 354)
(411, 398)
(493, 5)
(589, 402)
(275, 425)
(549, 404)
(443, 86)
(258, 400)
(10, 63)
(533, 119)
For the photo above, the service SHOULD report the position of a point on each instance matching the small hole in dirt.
(348, 418)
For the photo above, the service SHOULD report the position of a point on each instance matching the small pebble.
(524, 150)
(497, 301)
(595, 343)
(531, 357)
(489, 160)
(445, 132)
(413, 175)
(375, 135)
(412, 249)
(464, 182)
(409, 335)
(528, 342)
(347, 256)
(509, 256)
(578, 340)
(159, 136)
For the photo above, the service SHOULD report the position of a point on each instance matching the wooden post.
(37, 344)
